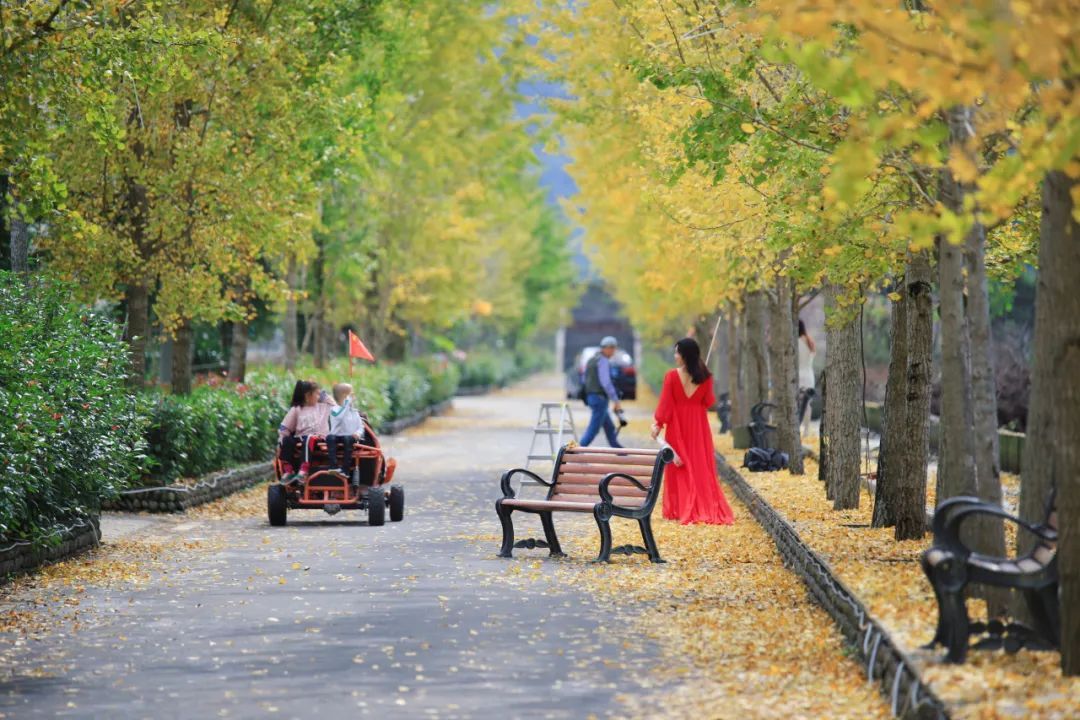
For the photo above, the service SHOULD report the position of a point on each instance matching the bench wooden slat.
(563, 506)
(589, 458)
(623, 452)
(583, 469)
(624, 501)
(594, 479)
(593, 490)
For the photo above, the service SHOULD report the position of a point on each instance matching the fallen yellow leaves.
(739, 636)
(886, 576)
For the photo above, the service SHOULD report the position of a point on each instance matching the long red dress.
(691, 492)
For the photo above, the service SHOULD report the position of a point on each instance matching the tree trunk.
(20, 245)
(1057, 290)
(890, 455)
(956, 466)
(739, 413)
(1051, 451)
(318, 339)
(909, 505)
(289, 323)
(757, 362)
(958, 471)
(136, 332)
(331, 341)
(720, 356)
(785, 371)
(842, 409)
(5, 230)
(238, 352)
(984, 407)
(823, 433)
(183, 348)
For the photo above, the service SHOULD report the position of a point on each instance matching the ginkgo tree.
(878, 139)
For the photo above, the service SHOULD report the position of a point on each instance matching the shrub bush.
(409, 388)
(483, 368)
(71, 434)
(211, 429)
(443, 377)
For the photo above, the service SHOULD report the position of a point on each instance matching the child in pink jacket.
(308, 418)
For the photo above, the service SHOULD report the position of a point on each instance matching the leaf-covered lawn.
(886, 576)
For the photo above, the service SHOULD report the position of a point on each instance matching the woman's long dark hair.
(300, 391)
(691, 355)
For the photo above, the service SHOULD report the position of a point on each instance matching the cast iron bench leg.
(549, 533)
(939, 631)
(507, 549)
(650, 541)
(603, 518)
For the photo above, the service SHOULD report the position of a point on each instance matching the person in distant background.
(807, 349)
(599, 391)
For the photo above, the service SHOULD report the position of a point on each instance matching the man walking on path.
(599, 390)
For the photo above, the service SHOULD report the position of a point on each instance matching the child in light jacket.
(346, 427)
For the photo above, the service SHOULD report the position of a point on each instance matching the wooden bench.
(607, 482)
(951, 566)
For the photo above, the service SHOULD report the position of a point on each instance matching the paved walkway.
(327, 618)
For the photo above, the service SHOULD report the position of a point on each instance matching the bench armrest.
(944, 511)
(605, 493)
(951, 532)
(508, 491)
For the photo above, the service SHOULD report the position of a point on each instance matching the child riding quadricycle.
(340, 460)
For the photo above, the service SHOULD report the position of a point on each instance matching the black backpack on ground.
(765, 460)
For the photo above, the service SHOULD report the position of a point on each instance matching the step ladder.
(557, 434)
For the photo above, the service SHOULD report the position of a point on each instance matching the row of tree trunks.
(784, 364)
(840, 449)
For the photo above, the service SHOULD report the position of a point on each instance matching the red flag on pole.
(357, 349)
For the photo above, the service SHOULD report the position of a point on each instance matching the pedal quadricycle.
(366, 486)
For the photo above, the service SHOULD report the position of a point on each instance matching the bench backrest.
(579, 470)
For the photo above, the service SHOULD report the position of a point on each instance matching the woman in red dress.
(691, 491)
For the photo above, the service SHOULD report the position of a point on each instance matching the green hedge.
(211, 429)
(71, 434)
(486, 368)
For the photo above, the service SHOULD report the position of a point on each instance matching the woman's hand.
(654, 431)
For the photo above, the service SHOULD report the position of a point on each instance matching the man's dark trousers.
(598, 403)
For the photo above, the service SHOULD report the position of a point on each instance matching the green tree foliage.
(180, 156)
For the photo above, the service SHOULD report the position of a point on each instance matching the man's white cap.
(609, 342)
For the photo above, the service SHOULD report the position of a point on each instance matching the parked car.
(623, 374)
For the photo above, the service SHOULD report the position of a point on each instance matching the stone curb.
(396, 426)
(909, 696)
(178, 498)
(24, 558)
(474, 390)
